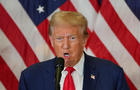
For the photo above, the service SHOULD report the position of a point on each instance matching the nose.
(66, 43)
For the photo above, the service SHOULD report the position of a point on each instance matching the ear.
(85, 41)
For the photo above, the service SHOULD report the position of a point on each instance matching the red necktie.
(68, 83)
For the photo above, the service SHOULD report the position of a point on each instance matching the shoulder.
(36, 75)
(103, 65)
(40, 67)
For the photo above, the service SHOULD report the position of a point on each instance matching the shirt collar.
(79, 66)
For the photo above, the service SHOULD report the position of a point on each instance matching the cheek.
(81, 44)
(78, 48)
(55, 44)
(57, 48)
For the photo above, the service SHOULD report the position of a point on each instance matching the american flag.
(113, 25)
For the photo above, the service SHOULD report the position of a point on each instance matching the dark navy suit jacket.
(108, 76)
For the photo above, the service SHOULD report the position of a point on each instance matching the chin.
(68, 64)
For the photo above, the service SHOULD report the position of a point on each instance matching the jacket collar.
(90, 75)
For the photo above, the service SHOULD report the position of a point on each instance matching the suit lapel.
(50, 75)
(90, 75)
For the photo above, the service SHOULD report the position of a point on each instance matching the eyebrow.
(66, 35)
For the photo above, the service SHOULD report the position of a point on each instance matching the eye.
(72, 38)
(59, 38)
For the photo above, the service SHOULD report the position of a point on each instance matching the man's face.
(68, 42)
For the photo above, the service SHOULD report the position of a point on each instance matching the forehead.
(66, 30)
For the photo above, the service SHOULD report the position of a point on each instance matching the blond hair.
(68, 18)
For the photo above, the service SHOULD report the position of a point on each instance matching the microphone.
(59, 66)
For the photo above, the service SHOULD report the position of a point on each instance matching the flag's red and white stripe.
(2, 86)
(128, 18)
(112, 36)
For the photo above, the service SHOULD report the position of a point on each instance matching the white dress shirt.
(77, 75)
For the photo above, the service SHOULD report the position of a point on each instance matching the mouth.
(66, 55)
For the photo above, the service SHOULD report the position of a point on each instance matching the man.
(68, 36)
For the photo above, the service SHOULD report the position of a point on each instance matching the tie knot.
(70, 69)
